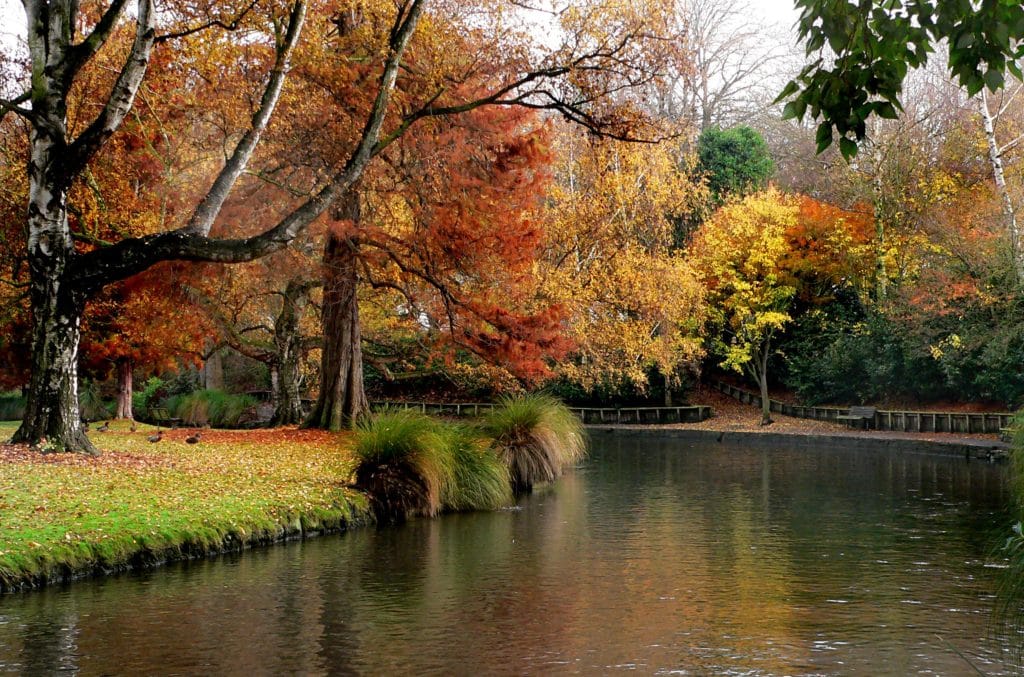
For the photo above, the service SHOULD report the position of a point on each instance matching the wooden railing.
(905, 421)
(624, 415)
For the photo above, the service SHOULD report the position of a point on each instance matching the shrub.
(12, 407)
(536, 437)
(403, 463)
(143, 399)
(480, 481)
(214, 407)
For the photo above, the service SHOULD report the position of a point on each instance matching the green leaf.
(965, 41)
(886, 110)
(791, 88)
(824, 136)
(994, 79)
(848, 148)
(794, 109)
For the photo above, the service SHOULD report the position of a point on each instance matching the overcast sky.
(12, 18)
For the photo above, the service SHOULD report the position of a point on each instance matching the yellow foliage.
(632, 304)
(740, 252)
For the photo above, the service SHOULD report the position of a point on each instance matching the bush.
(536, 437)
(480, 481)
(213, 407)
(404, 464)
(145, 398)
(12, 407)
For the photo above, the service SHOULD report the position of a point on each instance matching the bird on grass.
(157, 437)
(133, 427)
(194, 439)
(103, 428)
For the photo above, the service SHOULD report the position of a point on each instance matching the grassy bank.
(64, 515)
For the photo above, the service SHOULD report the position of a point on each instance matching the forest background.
(608, 215)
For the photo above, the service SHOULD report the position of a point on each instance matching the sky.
(12, 18)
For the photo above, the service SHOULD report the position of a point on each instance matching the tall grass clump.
(214, 407)
(537, 437)
(404, 465)
(480, 480)
(12, 407)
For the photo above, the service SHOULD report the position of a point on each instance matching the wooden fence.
(597, 415)
(905, 421)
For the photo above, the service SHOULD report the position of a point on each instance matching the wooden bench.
(865, 416)
(162, 417)
(1007, 434)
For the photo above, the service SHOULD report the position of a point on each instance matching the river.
(654, 556)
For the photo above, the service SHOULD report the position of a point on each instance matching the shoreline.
(968, 447)
(191, 544)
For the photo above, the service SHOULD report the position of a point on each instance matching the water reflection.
(650, 556)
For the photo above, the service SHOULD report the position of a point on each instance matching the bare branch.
(231, 25)
(13, 106)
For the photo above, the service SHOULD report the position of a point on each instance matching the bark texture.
(342, 399)
(124, 389)
(288, 351)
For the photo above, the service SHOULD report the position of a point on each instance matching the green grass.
(537, 437)
(140, 502)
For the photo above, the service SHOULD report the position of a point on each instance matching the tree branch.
(99, 267)
(226, 25)
(80, 54)
(12, 106)
(121, 98)
(210, 206)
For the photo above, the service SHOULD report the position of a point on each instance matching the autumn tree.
(64, 45)
(611, 52)
(143, 324)
(740, 251)
(633, 304)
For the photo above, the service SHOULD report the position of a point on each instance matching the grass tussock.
(480, 481)
(213, 407)
(537, 437)
(403, 464)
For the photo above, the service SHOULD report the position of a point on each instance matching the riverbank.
(140, 503)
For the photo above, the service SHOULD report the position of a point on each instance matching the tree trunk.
(124, 389)
(995, 156)
(51, 411)
(213, 371)
(342, 400)
(288, 353)
(759, 370)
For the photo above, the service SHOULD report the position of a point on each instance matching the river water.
(653, 556)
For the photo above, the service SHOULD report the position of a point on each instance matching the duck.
(103, 428)
(133, 427)
(157, 437)
(194, 438)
